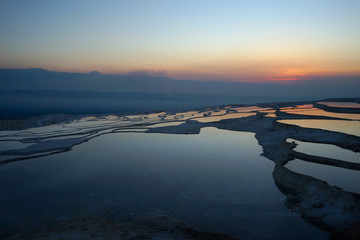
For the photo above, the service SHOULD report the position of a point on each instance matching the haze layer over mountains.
(26, 92)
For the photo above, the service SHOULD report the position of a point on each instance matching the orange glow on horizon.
(282, 79)
(258, 69)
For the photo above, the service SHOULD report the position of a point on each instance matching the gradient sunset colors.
(235, 40)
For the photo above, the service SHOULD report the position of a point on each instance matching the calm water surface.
(346, 179)
(348, 127)
(320, 112)
(326, 150)
(216, 181)
(342, 104)
(227, 116)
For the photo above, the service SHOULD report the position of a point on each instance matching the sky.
(230, 40)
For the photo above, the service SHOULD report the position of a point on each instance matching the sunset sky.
(254, 40)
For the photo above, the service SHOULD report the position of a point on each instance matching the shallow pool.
(343, 126)
(322, 113)
(215, 181)
(341, 104)
(226, 116)
(326, 150)
(335, 176)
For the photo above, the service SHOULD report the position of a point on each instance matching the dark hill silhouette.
(38, 91)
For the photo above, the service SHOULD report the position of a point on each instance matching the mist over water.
(30, 92)
(24, 104)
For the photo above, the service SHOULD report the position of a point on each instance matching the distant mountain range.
(38, 91)
(37, 79)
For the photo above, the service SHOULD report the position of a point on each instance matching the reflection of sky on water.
(227, 116)
(341, 104)
(249, 109)
(298, 107)
(303, 106)
(320, 112)
(348, 127)
(166, 124)
(340, 177)
(216, 181)
(12, 145)
(326, 150)
(268, 111)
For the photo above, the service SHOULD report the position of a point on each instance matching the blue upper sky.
(236, 40)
